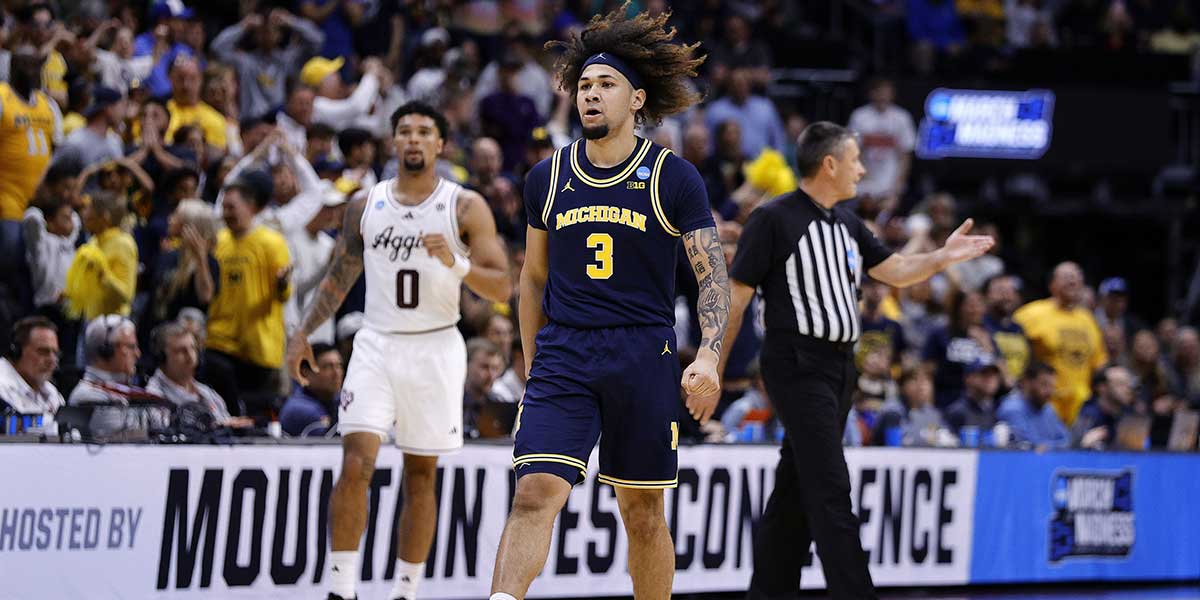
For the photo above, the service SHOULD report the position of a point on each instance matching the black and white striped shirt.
(808, 264)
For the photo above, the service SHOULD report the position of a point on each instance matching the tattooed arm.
(345, 266)
(701, 380)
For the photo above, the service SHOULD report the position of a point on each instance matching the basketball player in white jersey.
(412, 235)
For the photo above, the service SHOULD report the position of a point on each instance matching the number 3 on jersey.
(602, 243)
(408, 287)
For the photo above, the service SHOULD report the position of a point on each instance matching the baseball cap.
(540, 138)
(102, 98)
(317, 69)
(1114, 285)
(255, 183)
(170, 9)
(984, 363)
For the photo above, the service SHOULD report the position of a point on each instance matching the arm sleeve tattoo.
(345, 266)
(708, 261)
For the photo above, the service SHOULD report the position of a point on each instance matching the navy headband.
(612, 60)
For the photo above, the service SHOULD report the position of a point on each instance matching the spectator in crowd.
(1096, 426)
(311, 249)
(1065, 336)
(312, 410)
(977, 405)
(164, 41)
(102, 278)
(912, 412)
(1185, 360)
(531, 79)
(221, 92)
(178, 356)
(336, 19)
(1030, 24)
(358, 156)
(949, 350)
(485, 415)
(508, 116)
(36, 26)
(1003, 296)
(878, 331)
(510, 387)
(116, 66)
(888, 137)
(1113, 307)
(98, 141)
(935, 30)
(30, 128)
(499, 331)
(295, 121)
(263, 73)
(739, 49)
(123, 411)
(334, 104)
(25, 371)
(51, 227)
(245, 326)
(189, 275)
(186, 108)
(920, 314)
(318, 141)
(1028, 412)
(1151, 373)
(756, 116)
(1163, 410)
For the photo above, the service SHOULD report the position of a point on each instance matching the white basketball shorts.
(407, 384)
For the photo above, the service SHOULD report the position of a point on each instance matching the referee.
(807, 258)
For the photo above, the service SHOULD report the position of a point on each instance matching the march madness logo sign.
(1093, 514)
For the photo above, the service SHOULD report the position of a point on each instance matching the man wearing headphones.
(25, 372)
(124, 411)
(177, 353)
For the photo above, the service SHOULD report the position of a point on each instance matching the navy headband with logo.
(612, 60)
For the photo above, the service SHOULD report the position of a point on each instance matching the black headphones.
(106, 349)
(21, 332)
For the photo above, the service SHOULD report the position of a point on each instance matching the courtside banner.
(1065, 516)
(250, 521)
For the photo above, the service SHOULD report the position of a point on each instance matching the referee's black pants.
(809, 383)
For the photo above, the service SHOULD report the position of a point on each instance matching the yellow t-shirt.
(1071, 343)
(102, 278)
(28, 133)
(245, 318)
(54, 73)
(201, 115)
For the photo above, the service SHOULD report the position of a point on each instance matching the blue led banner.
(986, 124)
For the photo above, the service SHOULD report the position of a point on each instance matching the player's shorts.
(407, 384)
(618, 385)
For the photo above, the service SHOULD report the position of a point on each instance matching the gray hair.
(100, 333)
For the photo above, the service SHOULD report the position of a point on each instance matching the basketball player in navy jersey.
(418, 238)
(606, 215)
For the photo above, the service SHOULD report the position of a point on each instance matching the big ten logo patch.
(635, 185)
(1093, 514)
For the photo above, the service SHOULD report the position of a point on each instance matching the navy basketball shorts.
(616, 385)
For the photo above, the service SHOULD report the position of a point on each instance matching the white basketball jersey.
(409, 291)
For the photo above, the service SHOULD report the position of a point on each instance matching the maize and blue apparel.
(605, 366)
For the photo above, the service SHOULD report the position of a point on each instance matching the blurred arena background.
(1068, 129)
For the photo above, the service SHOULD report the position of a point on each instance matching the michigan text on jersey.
(601, 214)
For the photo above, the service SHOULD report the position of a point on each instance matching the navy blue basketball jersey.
(613, 233)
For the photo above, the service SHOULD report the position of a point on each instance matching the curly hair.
(645, 44)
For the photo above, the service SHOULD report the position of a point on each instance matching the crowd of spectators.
(173, 180)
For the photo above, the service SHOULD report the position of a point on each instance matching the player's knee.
(419, 480)
(539, 495)
(642, 512)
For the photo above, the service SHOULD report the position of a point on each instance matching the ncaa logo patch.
(379, 205)
(643, 172)
(346, 399)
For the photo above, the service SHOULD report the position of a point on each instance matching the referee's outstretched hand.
(961, 247)
(703, 387)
